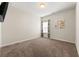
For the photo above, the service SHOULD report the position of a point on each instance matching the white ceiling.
(50, 7)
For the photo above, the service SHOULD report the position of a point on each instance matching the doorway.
(45, 29)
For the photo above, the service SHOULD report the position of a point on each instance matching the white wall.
(66, 34)
(19, 26)
(77, 27)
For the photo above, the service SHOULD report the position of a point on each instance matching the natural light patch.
(45, 27)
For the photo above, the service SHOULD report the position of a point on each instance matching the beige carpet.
(40, 48)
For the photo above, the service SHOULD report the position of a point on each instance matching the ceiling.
(50, 7)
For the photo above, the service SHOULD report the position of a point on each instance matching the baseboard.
(18, 41)
(63, 40)
(34, 37)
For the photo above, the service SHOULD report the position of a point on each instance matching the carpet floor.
(40, 47)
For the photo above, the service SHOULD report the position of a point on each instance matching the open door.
(45, 31)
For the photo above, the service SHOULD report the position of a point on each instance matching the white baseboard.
(31, 38)
(63, 40)
(34, 37)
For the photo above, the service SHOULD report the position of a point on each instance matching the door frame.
(42, 35)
